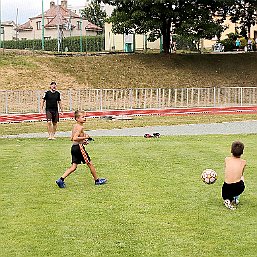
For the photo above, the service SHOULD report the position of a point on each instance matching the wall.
(116, 41)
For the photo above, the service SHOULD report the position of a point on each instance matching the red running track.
(11, 118)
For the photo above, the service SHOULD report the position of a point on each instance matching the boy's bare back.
(234, 169)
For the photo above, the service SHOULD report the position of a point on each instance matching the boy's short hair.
(237, 148)
(53, 83)
(78, 113)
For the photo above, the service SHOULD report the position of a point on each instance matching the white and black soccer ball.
(209, 176)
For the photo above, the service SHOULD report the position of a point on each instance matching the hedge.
(70, 44)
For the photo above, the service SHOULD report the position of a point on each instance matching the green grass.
(137, 121)
(153, 205)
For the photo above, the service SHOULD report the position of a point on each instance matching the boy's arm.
(242, 177)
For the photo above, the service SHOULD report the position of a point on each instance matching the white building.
(8, 30)
(58, 18)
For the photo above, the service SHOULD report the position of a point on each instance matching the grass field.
(153, 205)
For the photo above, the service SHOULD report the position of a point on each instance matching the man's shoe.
(100, 181)
(60, 183)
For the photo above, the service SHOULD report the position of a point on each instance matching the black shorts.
(52, 116)
(79, 154)
(229, 191)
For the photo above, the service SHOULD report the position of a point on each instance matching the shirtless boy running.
(79, 155)
(234, 180)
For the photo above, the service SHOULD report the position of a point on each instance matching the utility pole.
(0, 25)
(43, 26)
(58, 29)
(16, 34)
(80, 41)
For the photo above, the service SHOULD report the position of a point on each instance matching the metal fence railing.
(28, 101)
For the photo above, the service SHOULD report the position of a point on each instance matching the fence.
(28, 101)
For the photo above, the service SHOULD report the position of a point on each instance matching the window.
(38, 25)
(79, 25)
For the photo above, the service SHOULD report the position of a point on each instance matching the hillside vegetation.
(35, 71)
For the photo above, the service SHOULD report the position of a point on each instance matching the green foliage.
(233, 36)
(244, 14)
(94, 13)
(153, 205)
(228, 43)
(89, 44)
(185, 42)
(157, 17)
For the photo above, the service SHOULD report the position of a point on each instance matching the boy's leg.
(69, 171)
(60, 181)
(92, 170)
(236, 200)
(98, 181)
(227, 197)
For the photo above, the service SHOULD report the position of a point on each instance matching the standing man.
(51, 100)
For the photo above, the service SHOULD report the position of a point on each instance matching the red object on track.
(30, 117)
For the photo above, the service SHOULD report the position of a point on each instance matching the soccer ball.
(209, 176)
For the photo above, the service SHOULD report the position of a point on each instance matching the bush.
(73, 44)
(184, 43)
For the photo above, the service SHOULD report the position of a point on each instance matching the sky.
(29, 8)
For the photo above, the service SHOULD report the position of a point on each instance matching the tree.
(94, 13)
(244, 13)
(159, 17)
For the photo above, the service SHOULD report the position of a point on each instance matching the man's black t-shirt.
(52, 99)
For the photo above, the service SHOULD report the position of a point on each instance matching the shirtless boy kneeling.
(79, 155)
(234, 180)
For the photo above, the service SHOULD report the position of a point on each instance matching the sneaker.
(236, 200)
(60, 183)
(228, 204)
(100, 181)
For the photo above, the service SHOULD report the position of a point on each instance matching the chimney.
(64, 4)
(52, 4)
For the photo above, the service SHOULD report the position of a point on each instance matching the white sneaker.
(228, 204)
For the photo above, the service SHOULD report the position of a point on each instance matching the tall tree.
(244, 12)
(159, 17)
(94, 13)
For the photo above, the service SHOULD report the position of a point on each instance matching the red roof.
(57, 15)
(25, 26)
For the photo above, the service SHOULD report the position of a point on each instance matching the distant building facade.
(127, 42)
(8, 31)
(231, 28)
(57, 19)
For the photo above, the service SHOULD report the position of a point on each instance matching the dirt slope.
(25, 70)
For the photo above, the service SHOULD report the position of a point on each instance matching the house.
(57, 20)
(230, 28)
(134, 42)
(8, 31)
(127, 42)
